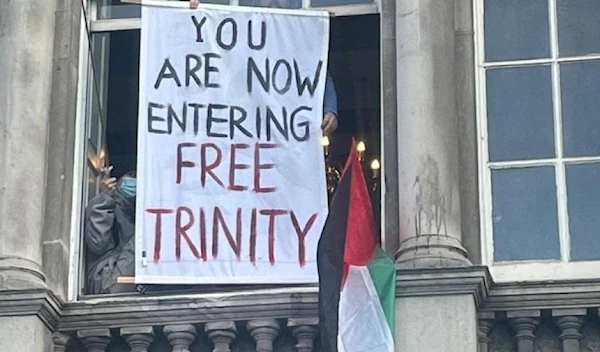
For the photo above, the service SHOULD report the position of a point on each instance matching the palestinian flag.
(357, 280)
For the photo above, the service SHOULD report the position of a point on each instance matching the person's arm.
(330, 101)
(330, 107)
(99, 221)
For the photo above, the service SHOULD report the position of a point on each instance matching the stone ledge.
(134, 311)
(475, 280)
(39, 302)
(287, 303)
(543, 295)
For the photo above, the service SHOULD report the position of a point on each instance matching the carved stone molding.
(524, 324)
(485, 325)
(221, 334)
(95, 340)
(264, 333)
(187, 309)
(39, 302)
(570, 322)
(475, 280)
(180, 336)
(139, 339)
(305, 331)
(60, 341)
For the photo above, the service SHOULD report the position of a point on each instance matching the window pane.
(516, 29)
(285, 4)
(525, 214)
(578, 27)
(581, 108)
(519, 105)
(116, 9)
(583, 191)
(111, 9)
(318, 3)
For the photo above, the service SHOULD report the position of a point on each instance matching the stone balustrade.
(548, 330)
(260, 335)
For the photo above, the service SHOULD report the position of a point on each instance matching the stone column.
(221, 334)
(389, 125)
(27, 42)
(95, 340)
(430, 229)
(486, 323)
(570, 322)
(428, 161)
(60, 341)
(524, 324)
(26, 51)
(305, 331)
(180, 336)
(138, 339)
(264, 333)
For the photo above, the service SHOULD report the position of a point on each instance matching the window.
(110, 100)
(538, 73)
(118, 9)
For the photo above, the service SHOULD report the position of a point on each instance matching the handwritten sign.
(231, 184)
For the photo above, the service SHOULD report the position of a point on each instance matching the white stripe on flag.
(362, 325)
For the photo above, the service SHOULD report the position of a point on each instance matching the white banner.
(231, 185)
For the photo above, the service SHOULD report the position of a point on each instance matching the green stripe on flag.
(383, 273)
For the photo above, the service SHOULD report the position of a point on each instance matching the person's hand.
(108, 184)
(330, 123)
(194, 4)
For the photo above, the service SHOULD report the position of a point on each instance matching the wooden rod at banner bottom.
(126, 280)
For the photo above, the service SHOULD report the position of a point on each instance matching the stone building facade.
(475, 271)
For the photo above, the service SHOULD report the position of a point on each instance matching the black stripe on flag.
(330, 262)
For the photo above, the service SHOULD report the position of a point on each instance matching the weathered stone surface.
(501, 339)
(139, 339)
(546, 338)
(570, 331)
(428, 162)
(24, 333)
(94, 340)
(25, 89)
(221, 334)
(180, 336)
(264, 333)
(591, 336)
(467, 129)
(422, 324)
(60, 341)
(305, 331)
(483, 333)
(524, 328)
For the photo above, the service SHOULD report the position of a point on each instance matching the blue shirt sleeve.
(330, 101)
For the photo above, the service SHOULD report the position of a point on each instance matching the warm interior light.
(361, 147)
(325, 141)
(375, 165)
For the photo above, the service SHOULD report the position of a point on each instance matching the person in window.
(110, 234)
(330, 103)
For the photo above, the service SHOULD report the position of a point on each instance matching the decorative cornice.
(543, 295)
(475, 280)
(287, 303)
(38, 302)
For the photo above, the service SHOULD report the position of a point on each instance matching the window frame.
(120, 24)
(90, 26)
(527, 270)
